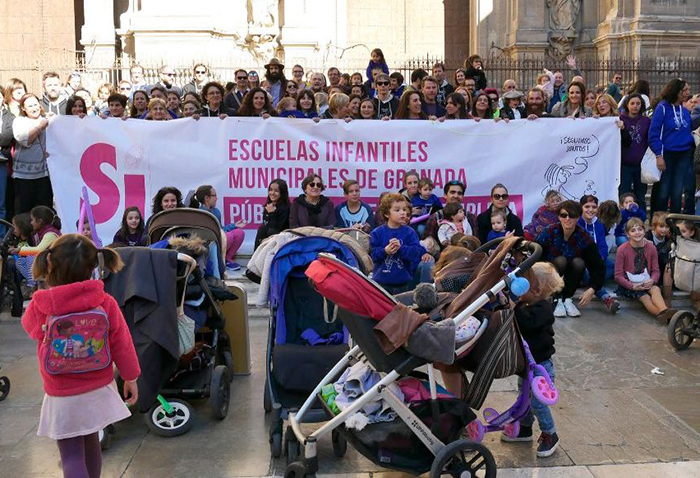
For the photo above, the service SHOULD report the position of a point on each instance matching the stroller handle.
(535, 254)
(671, 219)
(523, 245)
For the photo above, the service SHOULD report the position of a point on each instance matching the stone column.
(97, 36)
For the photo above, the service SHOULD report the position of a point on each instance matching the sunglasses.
(382, 83)
(169, 74)
(241, 77)
(124, 88)
(200, 72)
(566, 215)
(501, 197)
(316, 185)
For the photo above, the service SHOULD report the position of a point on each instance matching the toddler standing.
(535, 317)
(80, 333)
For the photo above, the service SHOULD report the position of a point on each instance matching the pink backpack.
(77, 342)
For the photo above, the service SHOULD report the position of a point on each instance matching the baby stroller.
(299, 318)
(152, 290)
(10, 291)
(426, 433)
(684, 326)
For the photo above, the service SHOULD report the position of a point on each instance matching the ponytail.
(40, 268)
(197, 199)
(47, 216)
(109, 260)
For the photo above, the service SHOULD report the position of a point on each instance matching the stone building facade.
(602, 29)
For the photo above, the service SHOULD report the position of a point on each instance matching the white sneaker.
(559, 310)
(571, 309)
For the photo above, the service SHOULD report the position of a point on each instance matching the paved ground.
(615, 418)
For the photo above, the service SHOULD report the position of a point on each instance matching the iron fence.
(597, 73)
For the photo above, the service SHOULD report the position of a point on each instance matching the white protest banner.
(124, 163)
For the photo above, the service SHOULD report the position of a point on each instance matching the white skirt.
(80, 415)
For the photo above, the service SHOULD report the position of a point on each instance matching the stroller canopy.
(292, 260)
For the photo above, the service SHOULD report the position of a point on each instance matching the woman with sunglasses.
(499, 202)
(572, 251)
(312, 208)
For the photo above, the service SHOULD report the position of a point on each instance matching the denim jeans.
(677, 182)
(631, 182)
(423, 274)
(538, 409)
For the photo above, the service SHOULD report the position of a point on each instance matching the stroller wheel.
(543, 391)
(297, 470)
(105, 435)
(173, 424)
(463, 458)
(512, 430)
(475, 429)
(4, 388)
(291, 446)
(220, 393)
(681, 322)
(267, 399)
(228, 361)
(276, 445)
(340, 446)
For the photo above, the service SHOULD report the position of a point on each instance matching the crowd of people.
(414, 235)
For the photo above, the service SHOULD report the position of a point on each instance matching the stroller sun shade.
(291, 261)
(341, 285)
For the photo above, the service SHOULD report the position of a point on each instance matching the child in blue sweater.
(628, 209)
(396, 250)
(376, 60)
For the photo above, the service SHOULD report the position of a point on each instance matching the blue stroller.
(305, 340)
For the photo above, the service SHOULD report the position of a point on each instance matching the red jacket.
(77, 297)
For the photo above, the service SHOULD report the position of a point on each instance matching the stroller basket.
(393, 444)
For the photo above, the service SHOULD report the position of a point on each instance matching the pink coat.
(78, 297)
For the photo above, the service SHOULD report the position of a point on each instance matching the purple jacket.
(635, 139)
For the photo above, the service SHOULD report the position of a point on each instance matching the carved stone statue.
(563, 14)
(262, 13)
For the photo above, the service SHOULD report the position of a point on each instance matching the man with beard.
(167, 77)
(52, 101)
(535, 106)
(199, 79)
(276, 82)
(430, 91)
(318, 83)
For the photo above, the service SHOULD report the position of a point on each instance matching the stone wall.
(34, 33)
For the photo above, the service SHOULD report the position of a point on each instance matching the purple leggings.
(81, 456)
(234, 239)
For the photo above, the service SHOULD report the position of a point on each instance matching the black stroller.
(151, 291)
(299, 316)
(10, 291)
